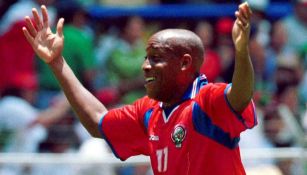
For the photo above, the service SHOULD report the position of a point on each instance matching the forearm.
(88, 108)
(242, 81)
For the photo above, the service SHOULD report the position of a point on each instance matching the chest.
(170, 139)
(170, 129)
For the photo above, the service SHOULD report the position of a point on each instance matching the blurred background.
(105, 46)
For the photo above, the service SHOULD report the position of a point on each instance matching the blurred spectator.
(223, 28)
(258, 56)
(278, 128)
(13, 42)
(25, 126)
(287, 79)
(120, 57)
(275, 129)
(122, 62)
(20, 9)
(268, 59)
(287, 90)
(276, 50)
(264, 61)
(256, 139)
(259, 21)
(296, 25)
(60, 139)
(212, 62)
(79, 56)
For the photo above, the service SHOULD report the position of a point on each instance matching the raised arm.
(242, 88)
(48, 46)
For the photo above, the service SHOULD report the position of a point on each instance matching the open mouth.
(149, 79)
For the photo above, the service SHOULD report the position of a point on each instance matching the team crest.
(178, 135)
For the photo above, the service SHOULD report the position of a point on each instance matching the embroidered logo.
(178, 135)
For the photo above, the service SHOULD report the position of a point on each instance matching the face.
(161, 70)
(137, 26)
(279, 35)
(205, 32)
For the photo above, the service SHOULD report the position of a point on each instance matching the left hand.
(242, 27)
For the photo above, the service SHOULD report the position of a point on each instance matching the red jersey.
(199, 136)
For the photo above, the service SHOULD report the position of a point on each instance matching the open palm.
(47, 45)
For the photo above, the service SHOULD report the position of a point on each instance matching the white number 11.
(162, 155)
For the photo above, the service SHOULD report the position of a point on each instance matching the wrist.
(56, 62)
(242, 50)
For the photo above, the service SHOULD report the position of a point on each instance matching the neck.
(181, 89)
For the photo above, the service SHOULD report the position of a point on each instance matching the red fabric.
(16, 55)
(126, 132)
(108, 96)
(224, 26)
(24, 80)
(211, 66)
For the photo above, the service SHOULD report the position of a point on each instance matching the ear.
(186, 62)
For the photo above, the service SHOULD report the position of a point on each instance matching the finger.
(241, 18)
(30, 26)
(37, 19)
(45, 16)
(60, 27)
(249, 10)
(28, 36)
(242, 9)
(240, 25)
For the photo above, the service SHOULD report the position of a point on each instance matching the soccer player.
(185, 124)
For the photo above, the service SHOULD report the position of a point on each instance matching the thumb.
(60, 27)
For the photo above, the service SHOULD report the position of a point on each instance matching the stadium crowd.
(106, 54)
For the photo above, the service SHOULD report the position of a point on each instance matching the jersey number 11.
(162, 156)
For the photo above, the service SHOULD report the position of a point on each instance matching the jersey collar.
(193, 89)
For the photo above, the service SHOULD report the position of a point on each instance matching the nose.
(146, 65)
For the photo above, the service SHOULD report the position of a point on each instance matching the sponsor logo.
(153, 138)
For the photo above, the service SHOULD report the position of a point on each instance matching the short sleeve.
(213, 101)
(124, 131)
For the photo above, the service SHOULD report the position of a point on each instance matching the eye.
(157, 59)
(153, 59)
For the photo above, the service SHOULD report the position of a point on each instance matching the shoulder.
(213, 89)
(212, 94)
(145, 103)
(138, 108)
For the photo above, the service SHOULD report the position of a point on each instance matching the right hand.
(241, 28)
(47, 45)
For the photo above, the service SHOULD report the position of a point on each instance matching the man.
(185, 125)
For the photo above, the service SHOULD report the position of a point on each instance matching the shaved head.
(179, 42)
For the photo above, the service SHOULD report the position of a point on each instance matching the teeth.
(149, 79)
